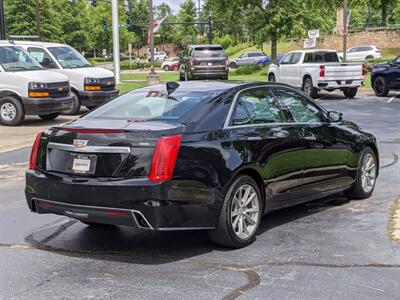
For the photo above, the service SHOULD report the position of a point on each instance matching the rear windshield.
(318, 57)
(209, 52)
(151, 105)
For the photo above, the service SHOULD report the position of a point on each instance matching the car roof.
(208, 85)
(39, 43)
(313, 50)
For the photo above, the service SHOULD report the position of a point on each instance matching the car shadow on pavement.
(153, 247)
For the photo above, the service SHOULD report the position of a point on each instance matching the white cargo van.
(90, 86)
(26, 88)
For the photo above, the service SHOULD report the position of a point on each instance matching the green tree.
(187, 13)
(138, 15)
(21, 19)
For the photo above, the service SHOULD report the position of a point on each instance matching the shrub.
(225, 41)
(231, 51)
(247, 70)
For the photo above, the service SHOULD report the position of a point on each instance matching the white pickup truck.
(26, 88)
(314, 70)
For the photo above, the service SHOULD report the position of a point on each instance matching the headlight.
(89, 80)
(37, 85)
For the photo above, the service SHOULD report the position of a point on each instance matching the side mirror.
(335, 116)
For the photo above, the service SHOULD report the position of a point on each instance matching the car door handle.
(254, 138)
(279, 133)
(310, 137)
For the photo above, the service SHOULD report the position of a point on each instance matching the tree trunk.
(384, 12)
(274, 46)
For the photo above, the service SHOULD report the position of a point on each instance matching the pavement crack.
(393, 162)
(253, 280)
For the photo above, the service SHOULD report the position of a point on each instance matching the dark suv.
(203, 62)
(385, 77)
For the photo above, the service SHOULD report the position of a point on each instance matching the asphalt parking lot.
(334, 248)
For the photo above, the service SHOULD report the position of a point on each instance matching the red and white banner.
(156, 26)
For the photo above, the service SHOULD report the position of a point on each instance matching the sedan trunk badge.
(80, 143)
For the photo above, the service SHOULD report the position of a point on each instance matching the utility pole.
(37, 17)
(115, 38)
(152, 77)
(2, 22)
(345, 30)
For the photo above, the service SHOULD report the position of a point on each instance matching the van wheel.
(49, 116)
(11, 111)
(240, 215)
(271, 78)
(366, 176)
(350, 92)
(76, 106)
(380, 86)
(309, 89)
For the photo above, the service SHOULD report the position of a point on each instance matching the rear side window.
(151, 105)
(257, 106)
(321, 57)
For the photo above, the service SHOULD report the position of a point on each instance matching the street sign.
(310, 43)
(313, 33)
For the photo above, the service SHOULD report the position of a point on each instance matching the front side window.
(301, 109)
(257, 106)
(69, 58)
(286, 60)
(14, 59)
(42, 57)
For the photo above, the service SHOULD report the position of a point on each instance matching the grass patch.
(129, 86)
(164, 76)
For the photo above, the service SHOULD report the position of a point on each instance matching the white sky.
(175, 4)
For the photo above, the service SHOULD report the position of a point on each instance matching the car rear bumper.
(130, 202)
(337, 84)
(97, 97)
(44, 106)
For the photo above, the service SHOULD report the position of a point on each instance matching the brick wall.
(389, 38)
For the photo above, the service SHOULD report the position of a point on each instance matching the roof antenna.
(171, 87)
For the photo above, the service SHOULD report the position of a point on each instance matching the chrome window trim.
(235, 99)
(89, 149)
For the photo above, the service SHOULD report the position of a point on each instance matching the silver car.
(246, 58)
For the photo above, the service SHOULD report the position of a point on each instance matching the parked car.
(90, 86)
(385, 77)
(27, 89)
(203, 62)
(314, 70)
(361, 53)
(171, 64)
(158, 56)
(266, 60)
(199, 155)
(248, 58)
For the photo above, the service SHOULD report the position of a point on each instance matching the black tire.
(90, 107)
(166, 68)
(233, 65)
(309, 89)
(380, 87)
(224, 234)
(76, 106)
(369, 57)
(12, 112)
(271, 78)
(350, 92)
(357, 191)
(224, 77)
(49, 116)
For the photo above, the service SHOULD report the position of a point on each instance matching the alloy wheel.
(378, 85)
(368, 173)
(307, 87)
(245, 212)
(8, 111)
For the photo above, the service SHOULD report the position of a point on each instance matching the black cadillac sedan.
(199, 155)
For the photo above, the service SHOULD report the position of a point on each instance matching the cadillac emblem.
(80, 143)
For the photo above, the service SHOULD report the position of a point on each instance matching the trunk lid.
(343, 71)
(122, 150)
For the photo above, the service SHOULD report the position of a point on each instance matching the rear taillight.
(321, 71)
(194, 62)
(34, 152)
(364, 70)
(164, 158)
